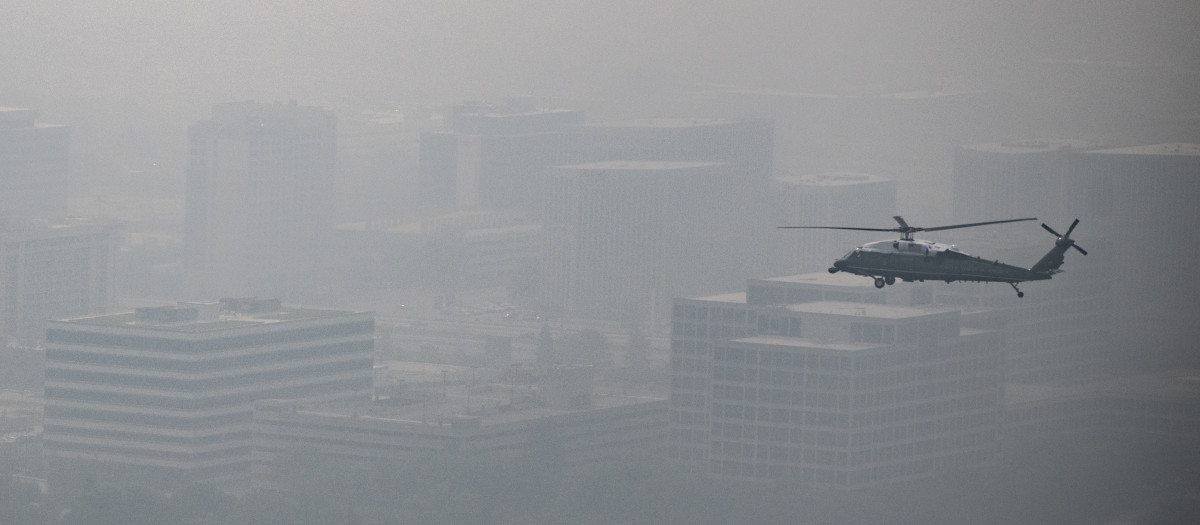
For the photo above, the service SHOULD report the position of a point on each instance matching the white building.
(51, 272)
(170, 390)
(831, 393)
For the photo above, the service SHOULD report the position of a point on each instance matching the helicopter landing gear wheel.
(879, 282)
(889, 280)
(1020, 294)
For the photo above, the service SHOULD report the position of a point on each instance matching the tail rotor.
(1066, 240)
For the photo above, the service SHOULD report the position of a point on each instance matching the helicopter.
(918, 260)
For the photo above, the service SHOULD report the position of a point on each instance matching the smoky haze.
(129, 78)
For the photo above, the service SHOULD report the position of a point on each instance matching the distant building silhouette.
(829, 199)
(494, 156)
(168, 391)
(623, 237)
(746, 145)
(34, 164)
(260, 199)
(51, 272)
(1031, 178)
(552, 417)
(445, 253)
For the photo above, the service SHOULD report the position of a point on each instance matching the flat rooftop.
(804, 342)
(731, 298)
(1023, 147)
(833, 280)
(661, 123)
(224, 321)
(1173, 149)
(833, 179)
(636, 165)
(868, 310)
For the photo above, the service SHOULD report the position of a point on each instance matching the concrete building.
(746, 145)
(443, 253)
(1061, 332)
(168, 392)
(34, 164)
(260, 200)
(494, 156)
(829, 199)
(622, 236)
(51, 272)
(1146, 198)
(479, 415)
(831, 393)
(1165, 403)
(1031, 178)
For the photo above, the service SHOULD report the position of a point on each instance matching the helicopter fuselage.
(920, 260)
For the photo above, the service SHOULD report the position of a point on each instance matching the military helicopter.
(917, 260)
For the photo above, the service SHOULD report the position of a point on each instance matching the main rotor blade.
(1081, 250)
(1051, 230)
(1072, 228)
(939, 228)
(842, 228)
(903, 225)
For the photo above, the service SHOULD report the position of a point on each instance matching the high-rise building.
(829, 199)
(832, 393)
(169, 391)
(1010, 180)
(51, 272)
(746, 145)
(34, 163)
(1146, 199)
(495, 156)
(260, 199)
(1061, 331)
(623, 236)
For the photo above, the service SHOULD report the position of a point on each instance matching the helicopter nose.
(837, 265)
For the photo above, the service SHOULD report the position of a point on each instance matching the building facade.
(170, 390)
(51, 272)
(830, 393)
(828, 199)
(260, 200)
(621, 236)
(34, 164)
(494, 156)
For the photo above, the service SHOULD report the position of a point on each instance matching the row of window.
(149, 342)
(184, 364)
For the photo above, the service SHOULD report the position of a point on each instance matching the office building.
(168, 392)
(1164, 403)
(447, 252)
(1147, 203)
(1011, 180)
(622, 236)
(746, 145)
(495, 155)
(51, 272)
(830, 393)
(260, 200)
(828, 199)
(34, 164)
(440, 413)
